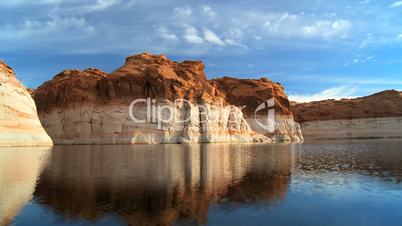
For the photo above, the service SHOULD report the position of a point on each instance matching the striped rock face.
(375, 116)
(177, 104)
(19, 122)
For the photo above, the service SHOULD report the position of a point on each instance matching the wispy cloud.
(208, 12)
(338, 92)
(234, 42)
(95, 6)
(364, 59)
(211, 37)
(191, 36)
(396, 4)
(183, 12)
(326, 28)
(49, 28)
(167, 34)
(292, 38)
(299, 25)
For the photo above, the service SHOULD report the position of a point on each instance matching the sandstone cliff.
(92, 107)
(384, 104)
(19, 122)
(375, 116)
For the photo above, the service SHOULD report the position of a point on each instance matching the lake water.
(337, 183)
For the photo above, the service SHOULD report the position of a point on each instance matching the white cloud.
(183, 12)
(191, 36)
(236, 33)
(367, 40)
(166, 34)
(300, 25)
(64, 7)
(339, 92)
(278, 23)
(233, 42)
(211, 37)
(396, 4)
(399, 37)
(61, 27)
(394, 61)
(232, 27)
(364, 59)
(235, 37)
(309, 30)
(208, 11)
(326, 28)
(102, 4)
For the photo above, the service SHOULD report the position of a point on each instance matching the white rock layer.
(19, 122)
(112, 124)
(390, 127)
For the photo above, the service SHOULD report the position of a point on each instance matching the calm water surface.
(336, 183)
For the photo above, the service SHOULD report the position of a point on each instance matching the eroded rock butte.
(92, 107)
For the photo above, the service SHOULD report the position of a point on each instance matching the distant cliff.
(384, 104)
(91, 106)
(375, 116)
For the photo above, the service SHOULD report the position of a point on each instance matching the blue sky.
(317, 49)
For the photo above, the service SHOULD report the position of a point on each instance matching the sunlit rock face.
(162, 185)
(92, 107)
(375, 116)
(19, 171)
(390, 127)
(19, 122)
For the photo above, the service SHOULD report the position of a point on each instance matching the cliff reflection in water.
(19, 171)
(162, 184)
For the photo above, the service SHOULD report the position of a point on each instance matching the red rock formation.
(68, 88)
(253, 92)
(384, 104)
(7, 70)
(154, 76)
(8, 75)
